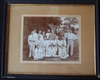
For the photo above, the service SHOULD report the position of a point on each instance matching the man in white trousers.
(31, 42)
(35, 38)
(48, 45)
(62, 48)
(71, 37)
(45, 46)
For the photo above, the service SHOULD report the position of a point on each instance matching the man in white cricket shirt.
(44, 45)
(71, 37)
(31, 43)
(39, 49)
(47, 34)
(40, 34)
(35, 36)
(43, 34)
(48, 45)
(62, 48)
(52, 48)
(52, 35)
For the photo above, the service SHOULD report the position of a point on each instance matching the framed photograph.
(50, 41)
(54, 39)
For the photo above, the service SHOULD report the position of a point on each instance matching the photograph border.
(4, 18)
(47, 62)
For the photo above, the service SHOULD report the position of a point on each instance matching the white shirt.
(70, 36)
(66, 35)
(62, 42)
(35, 36)
(45, 43)
(47, 35)
(39, 42)
(54, 42)
(48, 42)
(30, 39)
(41, 36)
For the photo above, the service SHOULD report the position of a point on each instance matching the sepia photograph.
(50, 38)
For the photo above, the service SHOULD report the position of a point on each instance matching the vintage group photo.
(51, 38)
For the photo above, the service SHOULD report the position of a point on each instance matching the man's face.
(48, 31)
(43, 32)
(34, 31)
(39, 32)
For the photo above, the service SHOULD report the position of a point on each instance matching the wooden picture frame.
(6, 46)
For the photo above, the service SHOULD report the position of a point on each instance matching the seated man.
(39, 49)
(38, 53)
(45, 46)
(62, 48)
(54, 43)
(52, 51)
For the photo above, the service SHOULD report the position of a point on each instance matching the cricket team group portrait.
(51, 39)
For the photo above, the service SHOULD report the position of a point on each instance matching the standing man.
(35, 36)
(71, 37)
(52, 35)
(31, 42)
(47, 34)
(57, 32)
(40, 34)
(43, 34)
(66, 36)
